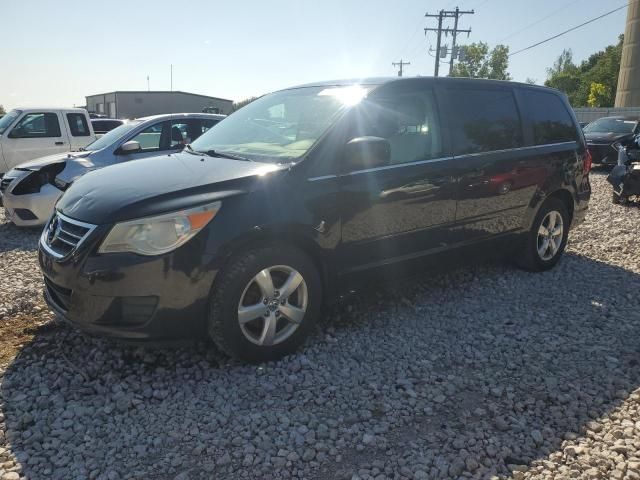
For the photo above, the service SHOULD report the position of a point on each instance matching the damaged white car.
(30, 191)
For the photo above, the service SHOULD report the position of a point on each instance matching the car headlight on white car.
(159, 234)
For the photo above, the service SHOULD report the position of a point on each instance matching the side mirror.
(130, 147)
(362, 153)
(17, 133)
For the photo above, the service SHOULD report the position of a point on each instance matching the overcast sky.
(55, 53)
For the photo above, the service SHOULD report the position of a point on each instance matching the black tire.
(223, 323)
(528, 257)
(617, 199)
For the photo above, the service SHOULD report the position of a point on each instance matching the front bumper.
(29, 210)
(129, 296)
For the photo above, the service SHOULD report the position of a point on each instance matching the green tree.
(238, 105)
(2, 110)
(564, 64)
(564, 75)
(598, 95)
(480, 62)
(576, 80)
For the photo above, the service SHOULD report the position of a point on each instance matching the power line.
(517, 32)
(411, 38)
(569, 30)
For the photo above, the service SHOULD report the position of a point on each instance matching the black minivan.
(247, 231)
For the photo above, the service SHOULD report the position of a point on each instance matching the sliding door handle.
(59, 143)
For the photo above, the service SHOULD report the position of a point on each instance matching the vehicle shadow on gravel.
(473, 370)
(12, 237)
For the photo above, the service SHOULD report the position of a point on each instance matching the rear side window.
(104, 126)
(551, 120)
(99, 126)
(78, 125)
(207, 124)
(484, 120)
(37, 125)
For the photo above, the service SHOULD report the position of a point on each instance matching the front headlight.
(160, 234)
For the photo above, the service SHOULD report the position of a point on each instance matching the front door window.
(37, 125)
(151, 139)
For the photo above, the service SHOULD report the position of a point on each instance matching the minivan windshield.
(8, 119)
(113, 136)
(282, 126)
(611, 125)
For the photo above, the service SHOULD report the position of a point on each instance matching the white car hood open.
(76, 165)
(38, 163)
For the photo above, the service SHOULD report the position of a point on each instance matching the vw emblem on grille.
(53, 230)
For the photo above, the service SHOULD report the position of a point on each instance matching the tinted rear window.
(484, 120)
(78, 124)
(102, 126)
(551, 120)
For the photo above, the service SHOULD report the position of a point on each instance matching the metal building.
(133, 104)
(628, 93)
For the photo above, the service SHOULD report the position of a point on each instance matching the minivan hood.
(38, 163)
(154, 185)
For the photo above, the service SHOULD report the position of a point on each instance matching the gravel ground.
(484, 372)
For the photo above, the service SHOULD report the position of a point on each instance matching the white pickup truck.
(28, 133)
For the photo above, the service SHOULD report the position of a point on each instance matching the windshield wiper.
(232, 156)
(191, 150)
(217, 153)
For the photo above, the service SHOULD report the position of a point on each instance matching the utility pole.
(444, 14)
(172, 77)
(454, 35)
(400, 64)
(439, 16)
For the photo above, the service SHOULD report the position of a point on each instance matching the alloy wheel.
(273, 305)
(550, 235)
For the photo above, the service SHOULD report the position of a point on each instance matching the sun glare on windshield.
(348, 96)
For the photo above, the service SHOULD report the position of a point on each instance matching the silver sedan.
(30, 191)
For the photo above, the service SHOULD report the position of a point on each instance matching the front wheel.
(265, 303)
(547, 239)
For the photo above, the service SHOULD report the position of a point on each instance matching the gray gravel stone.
(454, 375)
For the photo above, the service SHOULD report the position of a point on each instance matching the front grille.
(63, 235)
(60, 296)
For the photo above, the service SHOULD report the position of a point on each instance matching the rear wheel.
(547, 239)
(617, 199)
(265, 304)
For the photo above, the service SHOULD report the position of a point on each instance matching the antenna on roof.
(148, 88)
